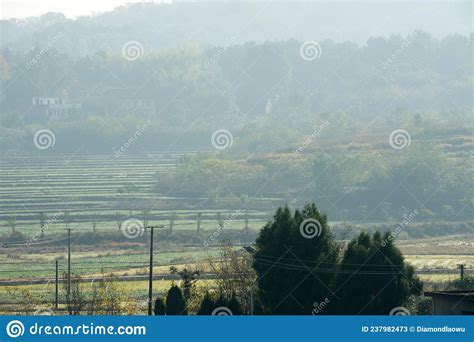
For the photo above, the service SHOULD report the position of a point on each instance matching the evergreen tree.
(293, 255)
(175, 303)
(234, 305)
(207, 305)
(373, 277)
(160, 308)
(221, 302)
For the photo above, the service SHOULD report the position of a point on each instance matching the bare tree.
(11, 221)
(145, 215)
(106, 298)
(172, 219)
(94, 224)
(76, 301)
(188, 277)
(235, 274)
(118, 217)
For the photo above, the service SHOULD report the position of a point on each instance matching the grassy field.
(115, 190)
(129, 268)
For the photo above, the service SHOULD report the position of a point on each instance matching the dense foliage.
(349, 184)
(300, 272)
(175, 302)
(265, 93)
(373, 276)
(286, 261)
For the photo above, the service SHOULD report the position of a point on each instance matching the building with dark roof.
(452, 302)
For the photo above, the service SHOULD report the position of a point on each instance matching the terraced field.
(99, 189)
(30, 184)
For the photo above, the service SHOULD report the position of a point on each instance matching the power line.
(34, 243)
(304, 268)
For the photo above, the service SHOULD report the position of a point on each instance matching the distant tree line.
(355, 181)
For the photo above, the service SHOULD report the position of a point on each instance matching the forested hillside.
(254, 88)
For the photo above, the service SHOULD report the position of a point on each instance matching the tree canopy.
(301, 269)
(292, 266)
(373, 277)
(175, 303)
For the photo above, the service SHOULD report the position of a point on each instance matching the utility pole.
(68, 264)
(198, 222)
(251, 294)
(251, 251)
(246, 219)
(461, 270)
(150, 276)
(56, 296)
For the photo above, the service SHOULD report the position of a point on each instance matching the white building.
(54, 108)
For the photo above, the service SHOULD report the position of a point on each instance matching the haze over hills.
(291, 128)
(149, 78)
(213, 23)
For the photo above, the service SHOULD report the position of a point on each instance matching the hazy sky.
(428, 15)
(71, 8)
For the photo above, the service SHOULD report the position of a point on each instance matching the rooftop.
(456, 293)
